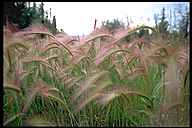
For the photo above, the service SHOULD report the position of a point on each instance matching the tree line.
(166, 23)
(23, 15)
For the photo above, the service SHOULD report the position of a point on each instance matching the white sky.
(77, 18)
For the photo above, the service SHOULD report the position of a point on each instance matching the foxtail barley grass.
(101, 80)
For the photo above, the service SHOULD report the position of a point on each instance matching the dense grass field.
(102, 80)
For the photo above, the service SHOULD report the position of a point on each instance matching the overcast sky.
(77, 18)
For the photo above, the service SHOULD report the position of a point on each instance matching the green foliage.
(24, 16)
(21, 15)
(113, 25)
(184, 25)
(180, 29)
(143, 32)
(163, 25)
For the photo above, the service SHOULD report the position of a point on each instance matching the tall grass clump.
(105, 80)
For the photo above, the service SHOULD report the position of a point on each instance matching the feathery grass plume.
(101, 30)
(37, 29)
(103, 53)
(165, 109)
(7, 33)
(47, 92)
(70, 41)
(84, 103)
(158, 60)
(114, 91)
(51, 96)
(100, 58)
(171, 76)
(128, 33)
(131, 46)
(92, 51)
(88, 83)
(87, 54)
(40, 29)
(5, 68)
(52, 57)
(53, 90)
(136, 71)
(104, 99)
(12, 87)
(106, 48)
(105, 96)
(63, 70)
(33, 92)
(65, 47)
(81, 58)
(20, 73)
(64, 38)
(180, 56)
(9, 50)
(182, 59)
(92, 94)
(120, 71)
(17, 75)
(130, 57)
(72, 82)
(42, 60)
(37, 120)
(156, 48)
(12, 118)
(40, 88)
(76, 54)
(68, 79)
(63, 76)
(120, 57)
(79, 52)
(120, 32)
(142, 58)
(95, 37)
(50, 46)
(15, 43)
